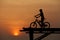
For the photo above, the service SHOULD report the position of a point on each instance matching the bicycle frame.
(44, 25)
(36, 21)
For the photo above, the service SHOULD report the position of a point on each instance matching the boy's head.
(40, 10)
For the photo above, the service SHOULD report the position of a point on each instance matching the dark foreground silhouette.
(44, 28)
(45, 32)
(41, 22)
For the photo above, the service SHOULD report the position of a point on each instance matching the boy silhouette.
(42, 17)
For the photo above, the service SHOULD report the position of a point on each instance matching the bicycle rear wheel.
(47, 25)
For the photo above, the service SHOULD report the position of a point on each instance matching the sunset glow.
(16, 14)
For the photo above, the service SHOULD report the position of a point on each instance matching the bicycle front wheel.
(33, 25)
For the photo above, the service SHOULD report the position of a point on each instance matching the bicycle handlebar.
(36, 17)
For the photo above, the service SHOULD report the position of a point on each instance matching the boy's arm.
(38, 15)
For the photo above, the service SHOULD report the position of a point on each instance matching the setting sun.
(16, 34)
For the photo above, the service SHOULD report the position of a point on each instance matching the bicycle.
(34, 24)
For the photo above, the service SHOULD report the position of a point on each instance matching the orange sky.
(15, 14)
